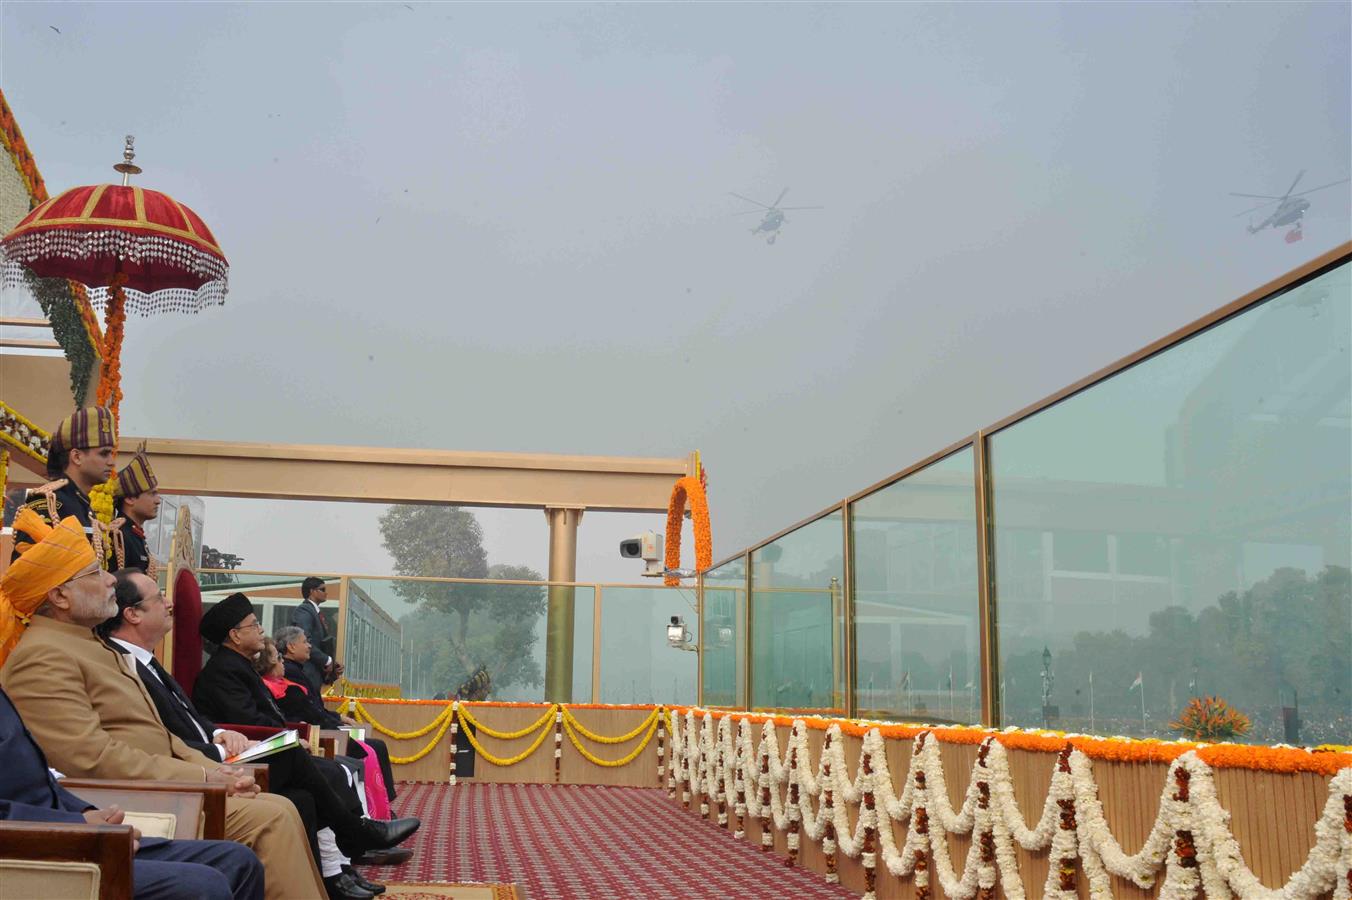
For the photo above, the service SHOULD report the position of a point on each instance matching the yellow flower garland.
(610, 763)
(511, 761)
(602, 739)
(405, 760)
(363, 715)
(468, 717)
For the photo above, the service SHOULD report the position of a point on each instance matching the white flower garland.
(1190, 839)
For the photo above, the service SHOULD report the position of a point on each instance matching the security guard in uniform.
(82, 455)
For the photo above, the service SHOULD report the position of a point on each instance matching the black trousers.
(325, 790)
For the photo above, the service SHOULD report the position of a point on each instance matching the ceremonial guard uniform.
(86, 429)
(130, 544)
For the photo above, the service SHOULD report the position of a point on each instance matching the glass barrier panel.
(724, 630)
(274, 597)
(798, 619)
(1183, 530)
(917, 632)
(638, 664)
(447, 631)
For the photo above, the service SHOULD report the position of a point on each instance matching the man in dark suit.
(161, 870)
(321, 665)
(317, 787)
(294, 647)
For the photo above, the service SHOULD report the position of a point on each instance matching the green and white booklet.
(282, 740)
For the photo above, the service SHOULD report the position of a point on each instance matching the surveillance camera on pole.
(647, 547)
(678, 637)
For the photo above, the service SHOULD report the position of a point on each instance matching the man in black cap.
(229, 690)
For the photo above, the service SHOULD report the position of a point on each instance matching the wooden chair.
(169, 809)
(46, 859)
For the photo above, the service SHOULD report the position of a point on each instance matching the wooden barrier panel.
(1272, 814)
(538, 768)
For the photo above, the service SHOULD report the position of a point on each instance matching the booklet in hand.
(282, 740)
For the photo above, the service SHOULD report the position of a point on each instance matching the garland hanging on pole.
(691, 488)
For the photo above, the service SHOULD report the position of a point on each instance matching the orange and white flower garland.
(1191, 839)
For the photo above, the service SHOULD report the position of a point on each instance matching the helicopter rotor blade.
(1256, 208)
(1257, 196)
(780, 197)
(748, 212)
(749, 200)
(1294, 183)
(1321, 187)
(783, 208)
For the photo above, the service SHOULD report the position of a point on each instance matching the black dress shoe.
(392, 857)
(343, 887)
(379, 835)
(369, 885)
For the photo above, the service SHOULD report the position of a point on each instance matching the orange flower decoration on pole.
(689, 489)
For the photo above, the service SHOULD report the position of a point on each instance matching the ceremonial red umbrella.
(121, 239)
(134, 249)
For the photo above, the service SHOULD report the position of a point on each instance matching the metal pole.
(563, 522)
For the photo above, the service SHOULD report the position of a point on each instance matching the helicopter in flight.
(1290, 208)
(773, 212)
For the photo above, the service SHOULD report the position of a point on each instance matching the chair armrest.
(262, 732)
(213, 797)
(259, 771)
(110, 847)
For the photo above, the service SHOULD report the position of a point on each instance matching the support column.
(563, 522)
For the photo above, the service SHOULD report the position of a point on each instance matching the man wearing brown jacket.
(92, 716)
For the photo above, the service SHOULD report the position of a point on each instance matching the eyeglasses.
(255, 624)
(94, 571)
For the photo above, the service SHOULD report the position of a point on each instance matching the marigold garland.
(509, 761)
(22, 434)
(469, 719)
(568, 717)
(110, 370)
(690, 488)
(569, 724)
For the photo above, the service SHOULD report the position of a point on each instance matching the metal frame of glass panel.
(989, 632)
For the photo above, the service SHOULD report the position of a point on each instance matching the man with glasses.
(321, 667)
(91, 715)
(318, 787)
(230, 690)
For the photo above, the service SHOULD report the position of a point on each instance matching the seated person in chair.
(91, 715)
(161, 870)
(318, 787)
(293, 645)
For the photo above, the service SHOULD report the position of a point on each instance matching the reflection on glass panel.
(1183, 529)
(373, 639)
(637, 663)
(797, 619)
(916, 604)
(724, 638)
(448, 630)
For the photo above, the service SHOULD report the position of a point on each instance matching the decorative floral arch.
(690, 488)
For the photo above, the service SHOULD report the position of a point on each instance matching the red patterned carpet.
(560, 842)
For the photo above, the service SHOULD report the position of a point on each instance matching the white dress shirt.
(144, 656)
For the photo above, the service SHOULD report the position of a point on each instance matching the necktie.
(172, 687)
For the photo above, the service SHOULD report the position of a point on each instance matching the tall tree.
(458, 627)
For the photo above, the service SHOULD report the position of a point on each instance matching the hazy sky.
(507, 227)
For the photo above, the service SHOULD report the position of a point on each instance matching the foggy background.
(508, 228)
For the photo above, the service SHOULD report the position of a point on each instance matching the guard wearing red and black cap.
(82, 455)
(138, 501)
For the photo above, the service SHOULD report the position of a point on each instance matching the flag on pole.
(1135, 684)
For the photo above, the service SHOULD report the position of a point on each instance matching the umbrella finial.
(126, 167)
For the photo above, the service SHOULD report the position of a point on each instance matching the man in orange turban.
(60, 559)
(91, 714)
